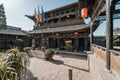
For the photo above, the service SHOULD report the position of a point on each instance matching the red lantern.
(16, 37)
(76, 33)
(42, 35)
(32, 36)
(84, 13)
(57, 34)
(68, 16)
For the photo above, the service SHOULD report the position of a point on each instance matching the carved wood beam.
(98, 9)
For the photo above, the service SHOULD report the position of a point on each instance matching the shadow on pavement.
(72, 56)
(30, 76)
(58, 62)
(76, 68)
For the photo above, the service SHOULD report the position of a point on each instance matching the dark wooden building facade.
(64, 24)
(8, 36)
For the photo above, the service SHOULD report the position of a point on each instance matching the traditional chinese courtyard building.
(8, 34)
(62, 25)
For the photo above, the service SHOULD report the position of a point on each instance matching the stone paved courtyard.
(57, 69)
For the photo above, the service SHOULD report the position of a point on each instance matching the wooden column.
(33, 42)
(5, 42)
(70, 74)
(79, 8)
(58, 43)
(85, 44)
(109, 32)
(91, 35)
(47, 42)
(77, 43)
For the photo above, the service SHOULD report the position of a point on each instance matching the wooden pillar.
(79, 8)
(77, 42)
(85, 44)
(5, 42)
(91, 35)
(70, 74)
(58, 43)
(33, 42)
(59, 18)
(47, 42)
(109, 32)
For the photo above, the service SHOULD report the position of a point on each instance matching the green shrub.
(49, 53)
(13, 65)
(27, 49)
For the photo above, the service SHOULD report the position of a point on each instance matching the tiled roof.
(12, 32)
(62, 29)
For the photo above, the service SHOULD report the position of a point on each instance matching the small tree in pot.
(49, 54)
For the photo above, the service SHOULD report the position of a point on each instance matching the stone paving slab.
(98, 69)
(57, 69)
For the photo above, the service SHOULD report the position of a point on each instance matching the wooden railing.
(62, 24)
(115, 57)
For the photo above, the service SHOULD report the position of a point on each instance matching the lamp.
(84, 12)
(76, 33)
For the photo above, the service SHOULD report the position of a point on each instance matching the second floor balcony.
(59, 23)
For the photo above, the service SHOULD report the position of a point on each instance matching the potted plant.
(27, 49)
(19, 43)
(13, 65)
(49, 53)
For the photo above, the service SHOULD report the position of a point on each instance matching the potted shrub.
(13, 65)
(27, 49)
(19, 43)
(49, 54)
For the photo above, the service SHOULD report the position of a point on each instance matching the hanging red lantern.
(57, 34)
(42, 35)
(76, 33)
(84, 13)
(32, 36)
(16, 37)
(68, 16)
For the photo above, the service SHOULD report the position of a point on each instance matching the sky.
(17, 9)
